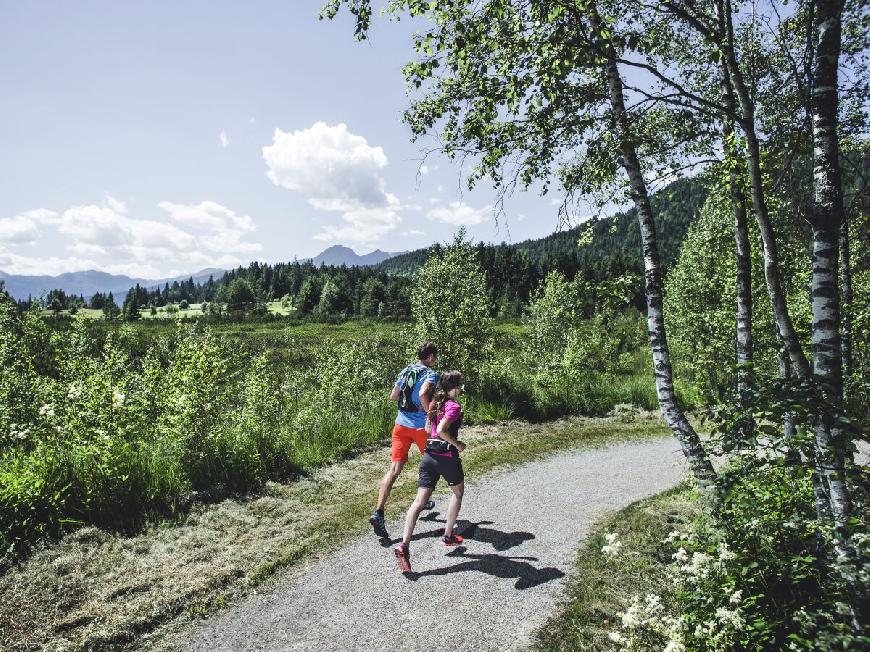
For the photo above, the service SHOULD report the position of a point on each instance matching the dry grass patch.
(100, 590)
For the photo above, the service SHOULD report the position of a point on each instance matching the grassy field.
(193, 310)
(98, 589)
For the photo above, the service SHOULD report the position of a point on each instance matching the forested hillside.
(611, 247)
(615, 238)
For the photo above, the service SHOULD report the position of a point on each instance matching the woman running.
(440, 459)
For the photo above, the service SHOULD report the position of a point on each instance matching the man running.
(412, 390)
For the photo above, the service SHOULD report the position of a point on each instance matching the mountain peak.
(338, 254)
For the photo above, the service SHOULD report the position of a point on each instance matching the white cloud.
(424, 169)
(460, 213)
(364, 225)
(14, 263)
(335, 169)
(223, 140)
(42, 216)
(521, 218)
(413, 232)
(105, 237)
(116, 205)
(97, 225)
(24, 229)
(18, 230)
(208, 215)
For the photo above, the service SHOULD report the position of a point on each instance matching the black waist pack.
(439, 446)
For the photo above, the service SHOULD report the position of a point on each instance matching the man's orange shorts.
(403, 437)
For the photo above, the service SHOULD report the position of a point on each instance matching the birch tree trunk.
(670, 409)
(827, 218)
(788, 424)
(785, 328)
(742, 250)
(846, 308)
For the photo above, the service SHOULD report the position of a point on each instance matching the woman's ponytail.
(447, 381)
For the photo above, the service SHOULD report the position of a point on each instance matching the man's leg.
(400, 445)
(387, 483)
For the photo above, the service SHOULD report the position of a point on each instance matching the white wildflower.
(613, 544)
(674, 646)
(674, 536)
(736, 597)
(631, 618)
(118, 397)
(680, 556)
(75, 390)
(654, 603)
(616, 637)
(730, 617)
(46, 411)
(725, 553)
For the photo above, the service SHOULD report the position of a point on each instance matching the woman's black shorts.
(433, 467)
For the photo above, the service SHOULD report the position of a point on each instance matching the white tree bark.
(689, 441)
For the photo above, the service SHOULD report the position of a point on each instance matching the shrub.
(450, 306)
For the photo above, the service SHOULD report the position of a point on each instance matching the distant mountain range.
(339, 255)
(88, 282)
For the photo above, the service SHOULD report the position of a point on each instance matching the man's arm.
(425, 389)
(394, 395)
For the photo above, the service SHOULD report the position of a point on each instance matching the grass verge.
(101, 590)
(601, 587)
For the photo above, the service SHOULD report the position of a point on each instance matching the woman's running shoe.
(403, 556)
(450, 541)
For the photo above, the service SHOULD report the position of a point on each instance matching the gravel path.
(523, 527)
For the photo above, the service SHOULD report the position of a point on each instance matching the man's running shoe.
(450, 541)
(378, 525)
(403, 556)
(429, 504)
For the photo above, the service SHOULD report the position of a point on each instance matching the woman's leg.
(453, 508)
(414, 510)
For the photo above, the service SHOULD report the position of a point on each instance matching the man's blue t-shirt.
(424, 374)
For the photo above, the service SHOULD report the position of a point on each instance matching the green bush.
(450, 306)
(762, 570)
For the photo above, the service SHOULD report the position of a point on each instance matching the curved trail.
(522, 526)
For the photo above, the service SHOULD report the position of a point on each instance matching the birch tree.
(532, 91)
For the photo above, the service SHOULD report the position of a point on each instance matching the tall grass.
(108, 427)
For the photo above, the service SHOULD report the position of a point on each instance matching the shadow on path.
(497, 565)
(468, 530)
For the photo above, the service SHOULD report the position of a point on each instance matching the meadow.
(112, 423)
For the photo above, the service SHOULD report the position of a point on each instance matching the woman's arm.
(444, 433)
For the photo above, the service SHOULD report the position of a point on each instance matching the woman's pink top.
(453, 412)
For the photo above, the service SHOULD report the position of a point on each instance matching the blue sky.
(158, 138)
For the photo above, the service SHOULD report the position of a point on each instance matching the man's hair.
(426, 349)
